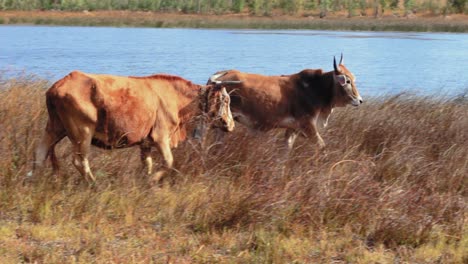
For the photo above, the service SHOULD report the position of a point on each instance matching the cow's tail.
(53, 133)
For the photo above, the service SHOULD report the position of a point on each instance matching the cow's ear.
(341, 79)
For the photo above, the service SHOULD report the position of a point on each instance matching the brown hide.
(115, 112)
(295, 102)
(124, 110)
(267, 100)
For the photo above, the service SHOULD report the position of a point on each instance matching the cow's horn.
(229, 82)
(341, 60)
(215, 76)
(337, 71)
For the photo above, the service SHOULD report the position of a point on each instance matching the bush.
(238, 6)
(460, 6)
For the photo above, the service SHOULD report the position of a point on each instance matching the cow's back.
(70, 96)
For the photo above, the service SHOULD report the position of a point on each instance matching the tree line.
(256, 7)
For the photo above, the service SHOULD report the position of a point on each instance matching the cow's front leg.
(290, 137)
(320, 141)
(165, 150)
(311, 131)
(145, 156)
(324, 116)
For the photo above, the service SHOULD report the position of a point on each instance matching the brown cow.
(116, 112)
(295, 102)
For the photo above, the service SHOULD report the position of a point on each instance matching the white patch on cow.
(323, 117)
(41, 154)
(291, 139)
(288, 122)
(243, 119)
(356, 101)
(222, 113)
(86, 167)
(149, 165)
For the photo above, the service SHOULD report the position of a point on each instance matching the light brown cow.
(295, 102)
(116, 112)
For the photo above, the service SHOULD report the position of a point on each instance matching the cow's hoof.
(157, 178)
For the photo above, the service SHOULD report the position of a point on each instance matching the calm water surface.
(384, 63)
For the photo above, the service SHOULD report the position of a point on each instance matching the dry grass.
(389, 188)
(454, 23)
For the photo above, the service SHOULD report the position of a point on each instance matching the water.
(384, 63)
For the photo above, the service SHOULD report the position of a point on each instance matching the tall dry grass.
(389, 188)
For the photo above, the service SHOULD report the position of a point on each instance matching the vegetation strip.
(232, 21)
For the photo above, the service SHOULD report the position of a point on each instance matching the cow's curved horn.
(214, 78)
(337, 71)
(341, 59)
(228, 82)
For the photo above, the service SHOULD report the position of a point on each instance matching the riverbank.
(420, 23)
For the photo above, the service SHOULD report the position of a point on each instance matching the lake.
(383, 62)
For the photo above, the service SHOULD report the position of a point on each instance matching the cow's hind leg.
(290, 136)
(146, 158)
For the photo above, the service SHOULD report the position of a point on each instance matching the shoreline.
(420, 23)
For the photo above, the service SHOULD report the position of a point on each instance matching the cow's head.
(345, 87)
(215, 104)
(217, 108)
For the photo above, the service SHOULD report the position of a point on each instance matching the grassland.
(454, 23)
(391, 187)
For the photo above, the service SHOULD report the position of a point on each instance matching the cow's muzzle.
(229, 126)
(356, 101)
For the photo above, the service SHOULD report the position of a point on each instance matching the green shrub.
(238, 6)
(460, 6)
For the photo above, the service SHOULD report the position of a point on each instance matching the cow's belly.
(244, 119)
(115, 140)
(265, 124)
(288, 122)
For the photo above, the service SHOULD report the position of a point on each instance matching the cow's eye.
(348, 81)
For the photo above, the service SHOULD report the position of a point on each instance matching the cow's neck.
(328, 82)
(316, 94)
(193, 106)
